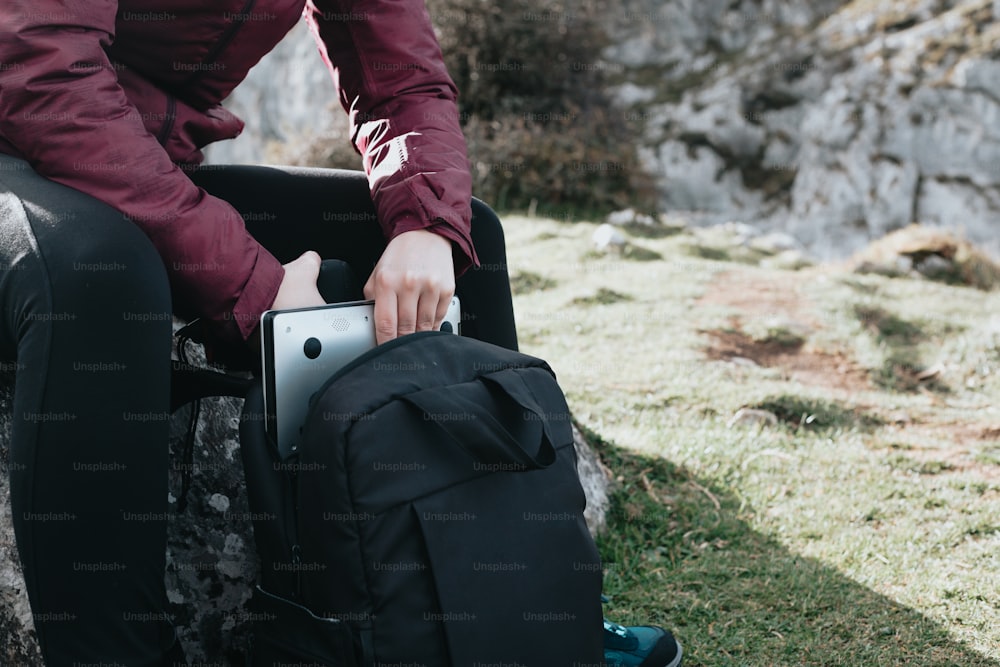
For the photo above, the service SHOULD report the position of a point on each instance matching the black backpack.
(432, 516)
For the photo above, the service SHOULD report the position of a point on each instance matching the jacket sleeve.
(391, 78)
(63, 110)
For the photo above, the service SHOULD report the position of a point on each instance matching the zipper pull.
(296, 567)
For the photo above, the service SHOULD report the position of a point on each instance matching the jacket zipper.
(168, 122)
(224, 41)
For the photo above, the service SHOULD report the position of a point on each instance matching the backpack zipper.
(296, 562)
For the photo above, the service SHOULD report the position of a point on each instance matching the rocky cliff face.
(834, 121)
(288, 101)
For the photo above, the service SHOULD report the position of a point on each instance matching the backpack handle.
(475, 428)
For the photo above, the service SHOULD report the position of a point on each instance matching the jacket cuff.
(258, 294)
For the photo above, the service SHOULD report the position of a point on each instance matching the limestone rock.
(629, 216)
(17, 634)
(606, 238)
(749, 417)
(211, 564)
(596, 484)
(288, 101)
(211, 560)
(775, 242)
(862, 120)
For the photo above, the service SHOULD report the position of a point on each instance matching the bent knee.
(106, 264)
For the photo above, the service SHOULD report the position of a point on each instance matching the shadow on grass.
(631, 251)
(889, 328)
(654, 231)
(707, 252)
(639, 253)
(525, 282)
(603, 296)
(817, 414)
(678, 554)
(902, 368)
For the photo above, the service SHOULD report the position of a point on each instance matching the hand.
(298, 288)
(412, 284)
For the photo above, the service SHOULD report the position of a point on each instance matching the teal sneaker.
(640, 646)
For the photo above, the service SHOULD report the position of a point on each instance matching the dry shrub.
(542, 132)
(553, 167)
(331, 149)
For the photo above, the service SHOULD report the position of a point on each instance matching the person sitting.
(110, 227)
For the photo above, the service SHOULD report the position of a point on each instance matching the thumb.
(308, 262)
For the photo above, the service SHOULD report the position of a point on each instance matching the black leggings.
(87, 324)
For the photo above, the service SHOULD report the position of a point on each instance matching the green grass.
(862, 529)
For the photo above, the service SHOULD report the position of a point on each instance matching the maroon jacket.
(110, 97)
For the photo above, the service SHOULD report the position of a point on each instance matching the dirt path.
(935, 444)
(758, 296)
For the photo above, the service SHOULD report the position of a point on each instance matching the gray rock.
(17, 634)
(629, 216)
(962, 206)
(288, 102)
(775, 242)
(211, 563)
(935, 267)
(833, 136)
(628, 94)
(597, 484)
(607, 238)
(789, 260)
(748, 417)
(695, 178)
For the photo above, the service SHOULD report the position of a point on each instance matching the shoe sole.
(676, 662)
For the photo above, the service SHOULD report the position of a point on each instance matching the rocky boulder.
(211, 561)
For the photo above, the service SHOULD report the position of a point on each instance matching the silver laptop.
(302, 347)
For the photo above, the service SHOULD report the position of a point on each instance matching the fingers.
(403, 307)
(433, 307)
(412, 285)
(385, 315)
(426, 308)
